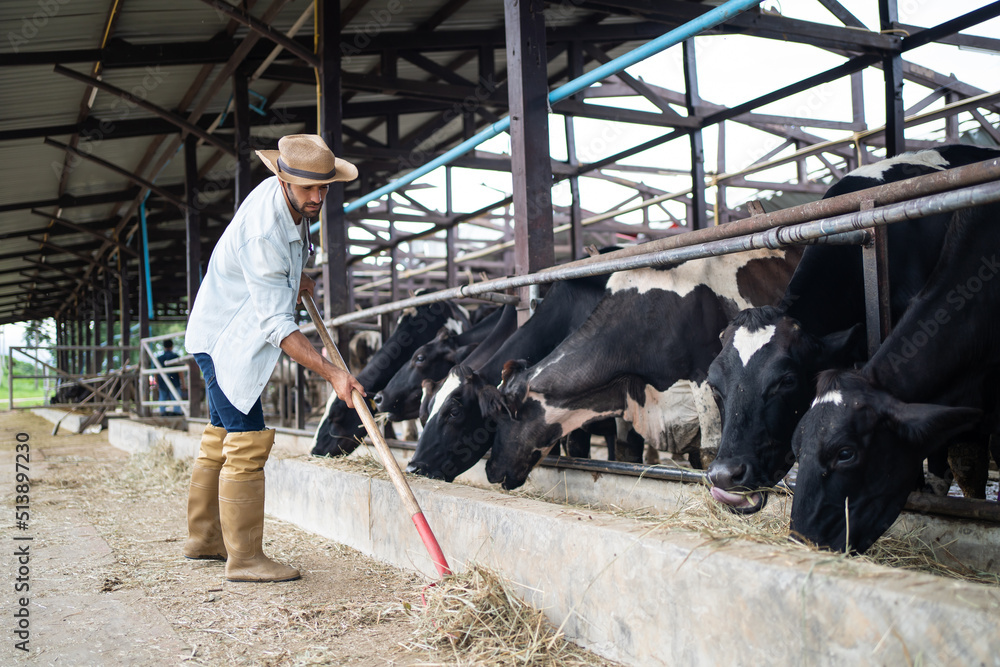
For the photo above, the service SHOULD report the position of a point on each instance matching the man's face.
(306, 200)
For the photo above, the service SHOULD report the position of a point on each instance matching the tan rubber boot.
(204, 530)
(241, 507)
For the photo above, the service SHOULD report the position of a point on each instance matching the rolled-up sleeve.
(273, 287)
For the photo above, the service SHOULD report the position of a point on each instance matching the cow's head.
(763, 381)
(339, 432)
(523, 436)
(431, 361)
(460, 425)
(860, 453)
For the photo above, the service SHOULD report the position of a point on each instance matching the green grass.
(25, 393)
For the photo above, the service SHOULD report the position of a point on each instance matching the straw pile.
(475, 618)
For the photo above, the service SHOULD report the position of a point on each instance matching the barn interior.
(130, 130)
(494, 142)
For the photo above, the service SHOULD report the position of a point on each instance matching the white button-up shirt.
(245, 304)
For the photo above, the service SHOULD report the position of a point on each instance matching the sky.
(730, 72)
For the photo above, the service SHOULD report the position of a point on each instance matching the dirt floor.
(109, 586)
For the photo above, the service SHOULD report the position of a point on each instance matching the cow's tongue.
(733, 499)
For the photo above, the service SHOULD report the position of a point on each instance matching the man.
(175, 379)
(241, 322)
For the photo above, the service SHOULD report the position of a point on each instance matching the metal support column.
(721, 209)
(142, 309)
(334, 228)
(193, 237)
(241, 122)
(857, 113)
(892, 70)
(692, 101)
(125, 300)
(98, 317)
(875, 262)
(451, 235)
(531, 168)
(574, 53)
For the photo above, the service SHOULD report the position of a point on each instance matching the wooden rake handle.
(388, 460)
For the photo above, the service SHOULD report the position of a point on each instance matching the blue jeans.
(221, 412)
(165, 395)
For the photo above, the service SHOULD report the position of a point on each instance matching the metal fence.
(107, 382)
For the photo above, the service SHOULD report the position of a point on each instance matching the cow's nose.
(726, 474)
(378, 400)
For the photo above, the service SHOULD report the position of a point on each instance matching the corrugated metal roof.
(61, 24)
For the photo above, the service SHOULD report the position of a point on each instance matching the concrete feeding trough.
(638, 592)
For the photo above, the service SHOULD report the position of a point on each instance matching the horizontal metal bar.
(496, 297)
(660, 472)
(95, 348)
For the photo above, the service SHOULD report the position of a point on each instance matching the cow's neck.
(951, 334)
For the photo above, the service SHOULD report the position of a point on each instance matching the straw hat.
(305, 159)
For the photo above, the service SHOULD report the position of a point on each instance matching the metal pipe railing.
(798, 225)
(706, 21)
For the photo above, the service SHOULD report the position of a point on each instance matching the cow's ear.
(511, 369)
(842, 348)
(492, 403)
(428, 389)
(929, 426)
(514, 384)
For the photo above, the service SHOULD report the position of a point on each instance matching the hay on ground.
(476, 618)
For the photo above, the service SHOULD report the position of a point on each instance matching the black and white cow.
(400, 398)
(861, 445)
(764, 378)
(340, 431)
(655, 329)
(458, 430)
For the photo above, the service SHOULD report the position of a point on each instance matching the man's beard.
(297, 207)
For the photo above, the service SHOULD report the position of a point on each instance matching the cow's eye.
(846, 455)
(421, 358)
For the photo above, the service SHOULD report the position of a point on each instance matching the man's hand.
(306, 284)
(344, 383)
(298, 347)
